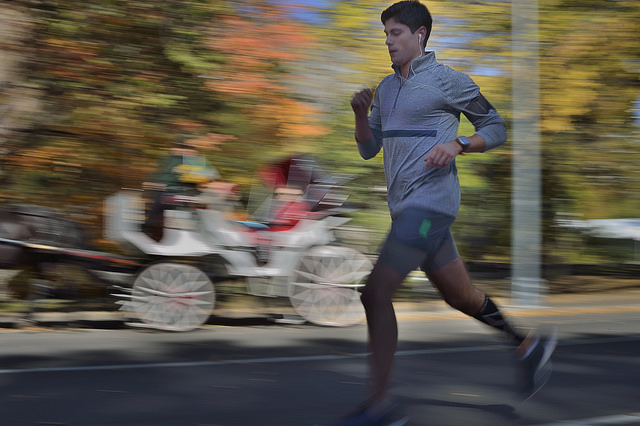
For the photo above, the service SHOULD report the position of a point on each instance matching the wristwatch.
(464, 142)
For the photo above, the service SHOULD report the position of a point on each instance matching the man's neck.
(406, 68)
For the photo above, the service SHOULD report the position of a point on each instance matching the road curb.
(428, 309)
(79, 319)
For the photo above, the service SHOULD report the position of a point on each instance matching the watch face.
(464, 143)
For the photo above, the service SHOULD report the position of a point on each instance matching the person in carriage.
(298, 191)
(181, 172)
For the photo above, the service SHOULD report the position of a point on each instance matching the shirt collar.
(424, 62)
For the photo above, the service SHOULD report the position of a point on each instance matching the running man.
(414, 118)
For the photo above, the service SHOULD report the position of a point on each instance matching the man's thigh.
(446, 253)
(415, 239)
(455, 285)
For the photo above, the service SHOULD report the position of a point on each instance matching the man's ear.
(423, 33)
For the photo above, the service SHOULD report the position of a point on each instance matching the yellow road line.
(517, 312)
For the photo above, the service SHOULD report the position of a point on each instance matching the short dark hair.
(411, 13)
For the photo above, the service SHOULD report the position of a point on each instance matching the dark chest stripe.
(409, 133)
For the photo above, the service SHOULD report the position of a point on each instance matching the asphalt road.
(450, 370)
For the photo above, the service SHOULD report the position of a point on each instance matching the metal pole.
(526, 239)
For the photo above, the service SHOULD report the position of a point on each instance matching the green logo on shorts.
(424, 228)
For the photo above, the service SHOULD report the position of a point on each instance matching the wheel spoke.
(172, 296)
(324, 287)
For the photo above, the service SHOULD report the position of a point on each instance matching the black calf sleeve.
(490, 315)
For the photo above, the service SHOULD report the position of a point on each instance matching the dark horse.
(35, 224)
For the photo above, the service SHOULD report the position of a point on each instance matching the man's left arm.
(491, 132)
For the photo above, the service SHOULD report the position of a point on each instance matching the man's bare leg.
(454, 284)
(382, 326)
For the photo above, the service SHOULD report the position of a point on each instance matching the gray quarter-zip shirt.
(408, 119)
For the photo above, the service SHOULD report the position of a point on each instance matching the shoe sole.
(543, 371)
(400, 422)
(549, 346)
(403, 421)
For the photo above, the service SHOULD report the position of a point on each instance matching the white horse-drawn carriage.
(292, 255)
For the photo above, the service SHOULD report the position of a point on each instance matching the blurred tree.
(98, 90)
(19, 100)
(117, 81)
(591, 79)
(265, 108)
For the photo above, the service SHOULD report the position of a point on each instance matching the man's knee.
(380, 286)
(373, 295)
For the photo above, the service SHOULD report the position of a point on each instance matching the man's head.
(408, 27)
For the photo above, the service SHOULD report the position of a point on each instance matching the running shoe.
(535, 364)
(370, 417)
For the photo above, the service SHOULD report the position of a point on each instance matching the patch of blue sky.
(309, 11)
(451, 33)
(486, 70)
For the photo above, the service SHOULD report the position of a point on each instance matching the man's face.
(402, 44)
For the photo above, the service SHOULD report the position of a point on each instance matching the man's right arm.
(361, 104)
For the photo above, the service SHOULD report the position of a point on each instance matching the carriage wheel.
(325, 283)
(172, 296)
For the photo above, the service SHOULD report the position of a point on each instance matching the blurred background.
(93, 93)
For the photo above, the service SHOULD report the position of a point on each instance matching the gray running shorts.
(419, 238)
